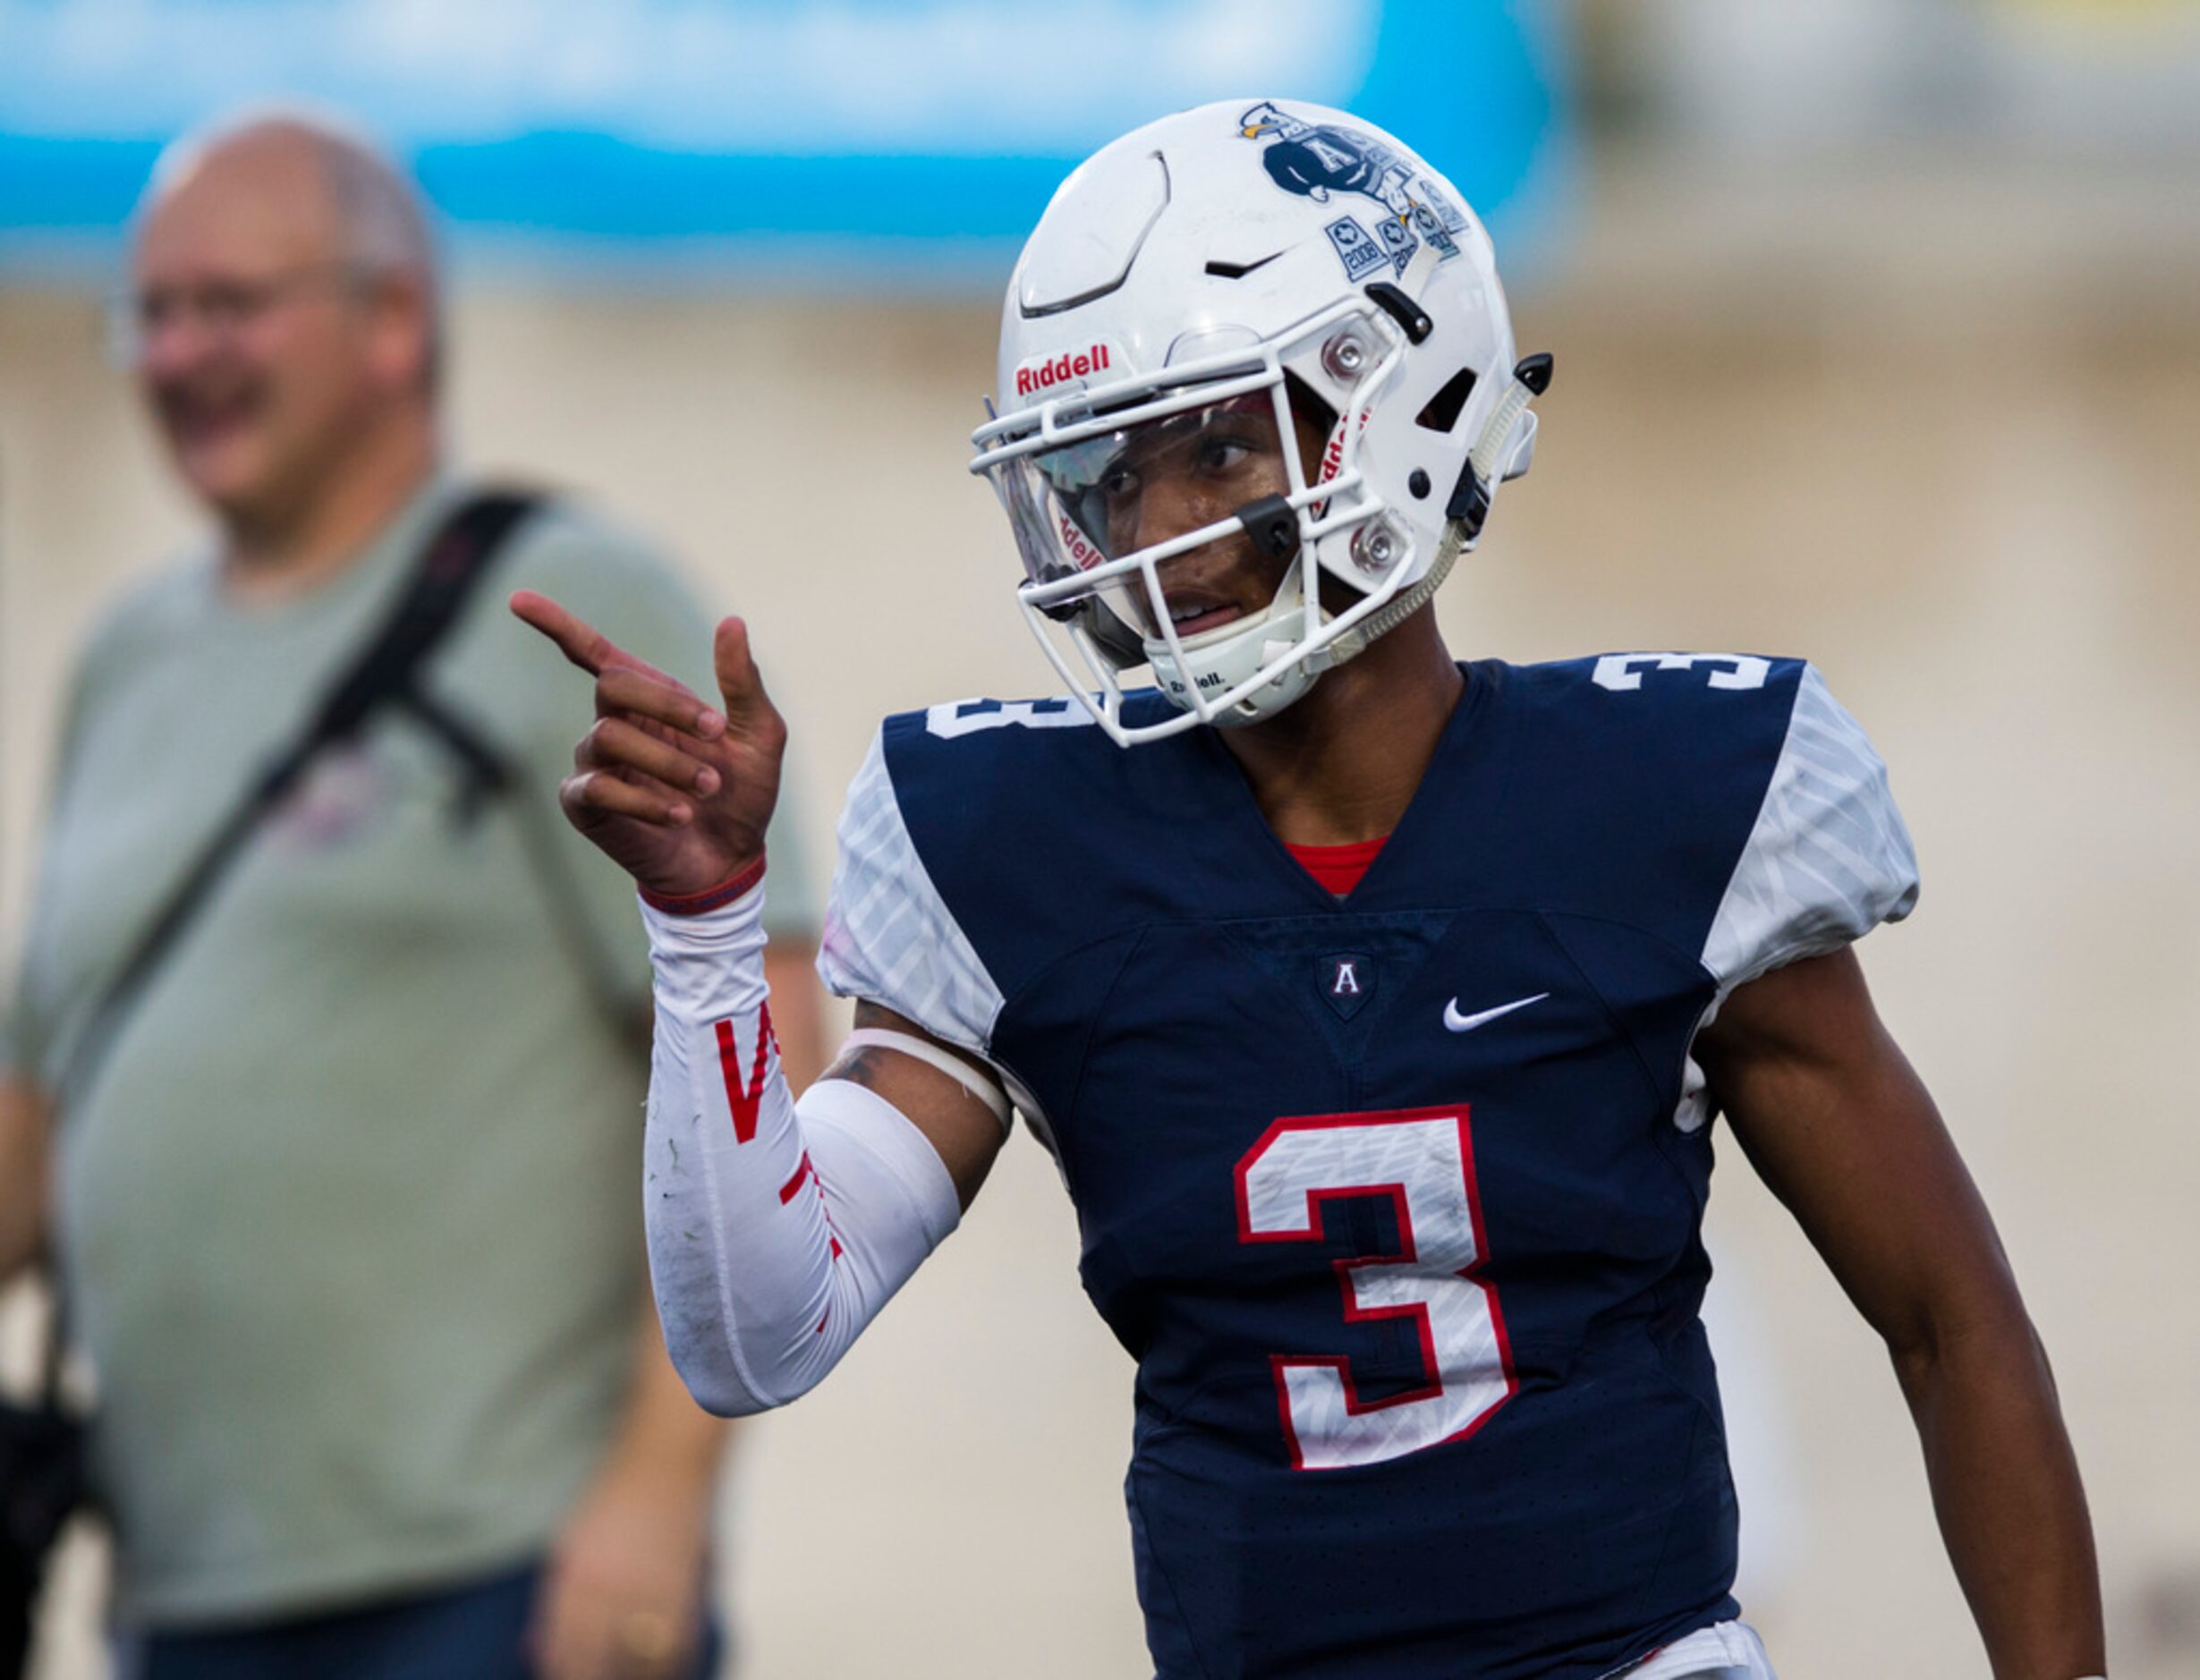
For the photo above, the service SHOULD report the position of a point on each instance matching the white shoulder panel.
(888, 935)
(1829, 859)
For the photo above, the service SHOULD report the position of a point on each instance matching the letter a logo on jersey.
(1347, 983)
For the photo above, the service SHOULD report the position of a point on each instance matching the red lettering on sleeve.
(788, 1191)
(744, 1097)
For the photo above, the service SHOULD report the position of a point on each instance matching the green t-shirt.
(350, 1214)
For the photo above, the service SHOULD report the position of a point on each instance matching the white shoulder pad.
(889, 936)
(1829, 859)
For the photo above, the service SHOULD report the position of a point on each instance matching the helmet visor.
(1097, 505)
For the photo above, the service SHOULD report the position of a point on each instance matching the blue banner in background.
(893, 141)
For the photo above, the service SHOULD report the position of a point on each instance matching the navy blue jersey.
(1394, 1198)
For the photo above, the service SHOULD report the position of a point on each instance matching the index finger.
(577, 639)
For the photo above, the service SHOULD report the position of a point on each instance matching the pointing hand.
(676, 792)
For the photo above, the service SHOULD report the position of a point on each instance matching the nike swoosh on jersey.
(1458, 1022)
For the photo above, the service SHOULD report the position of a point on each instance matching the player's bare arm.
(1843, 1131)
(951, 1114)
(777, 1229)
(23, 1115)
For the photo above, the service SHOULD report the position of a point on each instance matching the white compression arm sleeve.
(776, 1230)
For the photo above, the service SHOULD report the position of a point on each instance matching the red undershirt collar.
(1338, 868)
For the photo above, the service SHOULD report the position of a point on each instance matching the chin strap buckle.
(1478, 478)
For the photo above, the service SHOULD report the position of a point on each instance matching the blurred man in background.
(344, 1209)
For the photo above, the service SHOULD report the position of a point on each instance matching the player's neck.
(1343, 763)
(288, 549)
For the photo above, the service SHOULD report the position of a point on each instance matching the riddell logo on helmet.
(1048, 371)
(1333, 458)
(1082, 554)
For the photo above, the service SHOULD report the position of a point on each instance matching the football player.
(1376, 1006)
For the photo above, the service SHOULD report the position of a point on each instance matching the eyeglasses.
(221, 309)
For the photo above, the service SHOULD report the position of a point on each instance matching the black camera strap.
(384, 672)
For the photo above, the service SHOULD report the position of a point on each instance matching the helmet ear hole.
(1441, 412)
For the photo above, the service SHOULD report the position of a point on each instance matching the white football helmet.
(1186, 286)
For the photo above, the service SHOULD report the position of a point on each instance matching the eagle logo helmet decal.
(1318, 159)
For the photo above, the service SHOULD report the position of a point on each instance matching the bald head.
(333, 186)
(287, 309)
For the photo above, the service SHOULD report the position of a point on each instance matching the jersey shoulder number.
(1622, 673)
(1749, 786)
(951, 720)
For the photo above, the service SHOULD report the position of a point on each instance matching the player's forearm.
(774, 1235)
(23, 1124)
(2006, 1488)
(736, 1269)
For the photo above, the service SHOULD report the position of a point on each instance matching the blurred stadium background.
(1878, 329)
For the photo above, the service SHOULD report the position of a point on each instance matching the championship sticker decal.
(1355, 244)
(1400, 243)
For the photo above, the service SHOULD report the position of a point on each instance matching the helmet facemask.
(1117, 492)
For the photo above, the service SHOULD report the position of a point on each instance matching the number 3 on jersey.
(1424, 1160)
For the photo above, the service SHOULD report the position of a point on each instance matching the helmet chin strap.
(1496, 455)
(1395, 612)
